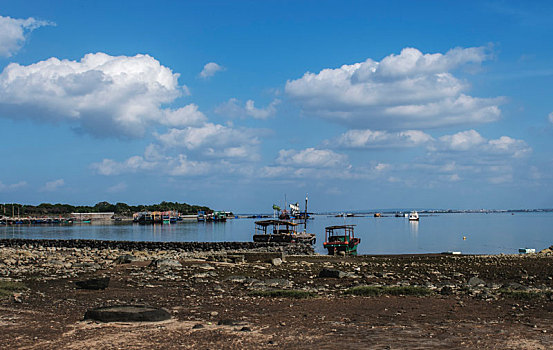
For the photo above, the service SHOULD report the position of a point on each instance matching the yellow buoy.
(464, 238)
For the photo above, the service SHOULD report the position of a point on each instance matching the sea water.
(469, 233)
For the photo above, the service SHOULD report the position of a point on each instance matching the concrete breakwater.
(198, 247)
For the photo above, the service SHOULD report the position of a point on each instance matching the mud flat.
(266, 298)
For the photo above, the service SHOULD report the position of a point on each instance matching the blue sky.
(399, 104)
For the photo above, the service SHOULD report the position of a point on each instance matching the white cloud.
(312, 158)
(104, 95)
(233, 108)
(375, 139)
(210, 69)
(11, 187)
(409, 90)
(14, 33)
(188, 115)
(185, 167)
(132, 164)
(462, 141)
(213, 140)
(471, 140)
(178, 165)
(53, 185)
(550, 116)
(380, 167)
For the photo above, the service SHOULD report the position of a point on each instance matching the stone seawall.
(289, 248)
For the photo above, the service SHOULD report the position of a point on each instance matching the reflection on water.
(414, 228)
(485, 233)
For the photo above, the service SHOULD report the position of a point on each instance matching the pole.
(305, 215)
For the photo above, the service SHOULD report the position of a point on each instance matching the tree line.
(120, 209)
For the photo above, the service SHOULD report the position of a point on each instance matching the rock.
(86, 265)
(277, 283)
(237, 279)
(248, 329)
(17, 297)
(331, 273)
(125, 259)
(93, 283)
(226, 322)
(514, 286)
(236, 259)
(165, 263)
(476, 282)
(198, 326)
(127, 313)
(276, 261)
(206, 267)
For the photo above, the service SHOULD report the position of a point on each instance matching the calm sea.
(469, 233)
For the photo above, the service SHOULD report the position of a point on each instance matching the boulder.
(331, 273)
(476, 282)
(165, 263)
(127, 313)
(125, 259)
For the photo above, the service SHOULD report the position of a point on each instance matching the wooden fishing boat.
(281, 231)
(341, 240)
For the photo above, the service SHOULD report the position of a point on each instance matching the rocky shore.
(233, 296)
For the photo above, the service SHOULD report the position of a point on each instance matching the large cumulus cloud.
(409, 90)
(100, 94)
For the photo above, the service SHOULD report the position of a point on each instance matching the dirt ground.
(213, 305)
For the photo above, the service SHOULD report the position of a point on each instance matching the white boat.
(414, 216)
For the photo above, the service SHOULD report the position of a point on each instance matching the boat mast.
(305, 215)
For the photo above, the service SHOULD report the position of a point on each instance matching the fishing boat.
(414, 216)
(216, 216)
(341, 240)
(282, 231)
(143, 218)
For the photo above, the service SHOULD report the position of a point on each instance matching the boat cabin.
(340, 239)
(275, 227)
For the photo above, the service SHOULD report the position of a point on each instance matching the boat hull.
(285, 238)
(334, 249)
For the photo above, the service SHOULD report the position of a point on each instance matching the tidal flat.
(244, 299)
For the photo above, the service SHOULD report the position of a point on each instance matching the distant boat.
(414, 216)
(341, 239)
(217, 216)
(377, 215)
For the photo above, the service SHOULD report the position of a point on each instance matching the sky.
(241, 104)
